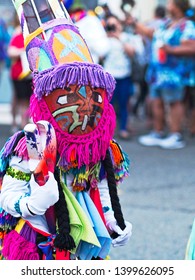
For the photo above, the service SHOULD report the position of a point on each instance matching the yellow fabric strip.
(33, 35)
(24, 75)
(20, 225)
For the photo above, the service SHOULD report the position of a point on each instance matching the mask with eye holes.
(76, 109)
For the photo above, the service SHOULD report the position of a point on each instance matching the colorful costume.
(75, 210)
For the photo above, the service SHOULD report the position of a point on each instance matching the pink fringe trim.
(89, 148)
(15, 247)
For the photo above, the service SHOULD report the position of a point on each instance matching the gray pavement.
(157, 198)
(5, 87)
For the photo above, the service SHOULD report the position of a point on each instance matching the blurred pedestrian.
(21, 78)
(104, 11)
(118, 63)
(155, 23)
(4, 41)
(168, 74)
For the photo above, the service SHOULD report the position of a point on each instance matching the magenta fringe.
(77, 73)
(89, 148)
(21, 149)
(16, 247)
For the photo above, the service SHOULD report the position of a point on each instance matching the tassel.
(64, 241)
(116, 153)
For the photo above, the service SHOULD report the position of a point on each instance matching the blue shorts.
(168, 95)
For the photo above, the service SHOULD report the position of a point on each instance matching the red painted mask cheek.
(77, 110)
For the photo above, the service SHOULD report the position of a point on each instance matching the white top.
(117, 62)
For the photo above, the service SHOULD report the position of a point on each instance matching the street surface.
(158, 199)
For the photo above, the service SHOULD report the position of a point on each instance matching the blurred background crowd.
(149, 48)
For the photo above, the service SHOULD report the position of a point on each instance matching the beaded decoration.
(17, 204)
(17, 174)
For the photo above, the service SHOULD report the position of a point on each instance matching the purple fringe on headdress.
(89, 148)
(76, 73)
(9, 145)
(16, 247)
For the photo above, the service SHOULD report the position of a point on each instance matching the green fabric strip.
(81, 228)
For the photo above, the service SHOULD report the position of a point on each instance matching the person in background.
(4, 41)
(155, 23)
(106, 12)
(168, 74)
(20, 76)
(118, 62)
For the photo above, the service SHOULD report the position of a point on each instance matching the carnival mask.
(76, 109)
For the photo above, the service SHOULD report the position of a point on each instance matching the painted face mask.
(76, 109)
